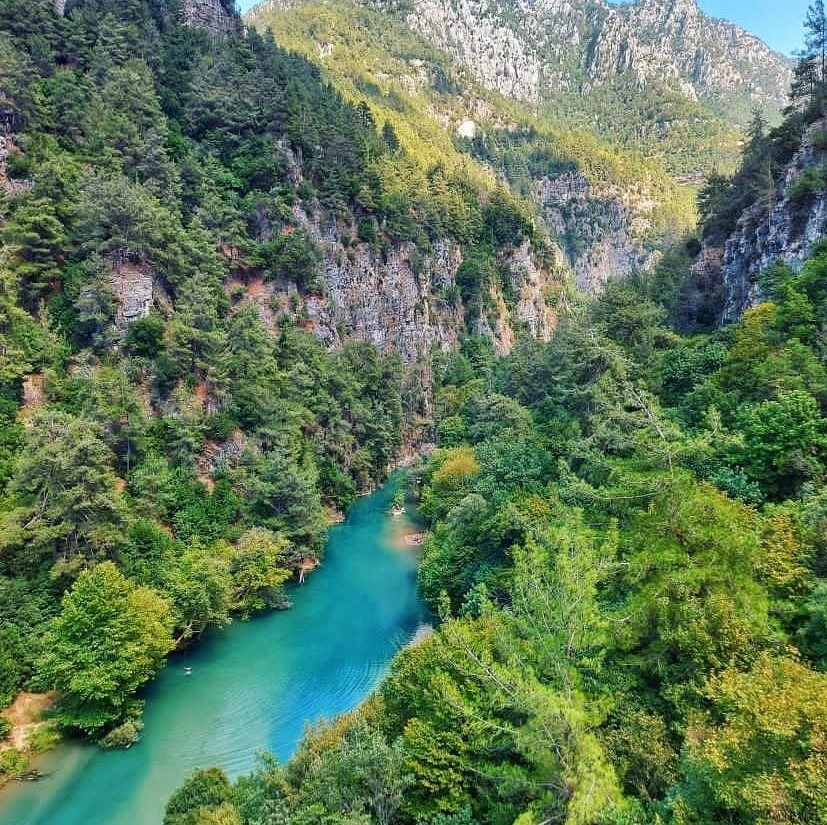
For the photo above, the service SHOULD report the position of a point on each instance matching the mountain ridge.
(659, 77)
(606, 209)
(562, 42)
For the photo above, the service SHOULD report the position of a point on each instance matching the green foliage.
(755, 754)
(784, 440)
(67, 510)
(626, 527)
(257, 571)
(109, 638)
(809, 184)
(355, 772)
(142, 141)
(448, 182)
(290, 256)
(145, 338)
(37, 238)
(626, 555)
(14, 764)
(206, 789)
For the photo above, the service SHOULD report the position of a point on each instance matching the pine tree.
(815, 38)
(37, 238)
(69, 511)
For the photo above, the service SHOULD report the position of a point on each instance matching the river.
(253, 687)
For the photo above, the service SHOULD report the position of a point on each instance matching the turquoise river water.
(253, 687)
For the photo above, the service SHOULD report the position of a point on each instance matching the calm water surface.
(254, 686)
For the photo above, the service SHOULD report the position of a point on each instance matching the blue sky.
(779, 22)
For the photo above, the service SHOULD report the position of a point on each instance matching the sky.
(778, 22)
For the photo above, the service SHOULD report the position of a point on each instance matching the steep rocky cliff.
(215, 16)
(673, 40)
(600, 230)
(784, 225)
(656, 76)
(534, 49)
(401, 299)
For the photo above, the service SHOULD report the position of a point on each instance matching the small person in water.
(188, 671)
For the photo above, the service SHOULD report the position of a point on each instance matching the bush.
(292, 255)
(13, 764)
(810, 183)
(146, 337)
(735, 484)
(124, 735)
(5, 728)
(367, 231)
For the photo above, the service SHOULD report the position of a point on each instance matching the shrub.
(810, 183)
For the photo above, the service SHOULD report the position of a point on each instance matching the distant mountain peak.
(534, 50)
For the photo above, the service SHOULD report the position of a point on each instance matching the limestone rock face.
(214, 16)
(400, 299)
(600, 231)
(533, 50)
(787, 229)
(708, 59)
(133, 287)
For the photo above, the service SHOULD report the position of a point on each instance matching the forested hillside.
(173, 448)
(656, 76)
(230, 285)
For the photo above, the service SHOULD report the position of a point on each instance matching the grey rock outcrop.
(707, 59)
(599, 231)
(786, 229)
(133, 287)
(535, 50)
(213, 16)
(401, 299)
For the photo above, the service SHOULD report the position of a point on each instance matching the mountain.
(658, 76)
(535, 49)
(171, 412)
(606, 210)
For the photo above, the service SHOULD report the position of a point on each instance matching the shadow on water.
(252, 687)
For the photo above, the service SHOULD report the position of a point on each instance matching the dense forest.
(626, 553)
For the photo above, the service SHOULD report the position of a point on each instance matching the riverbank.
(407, 530)
(30, 735)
